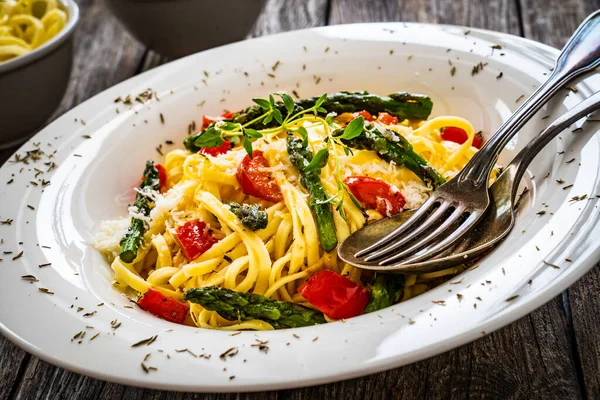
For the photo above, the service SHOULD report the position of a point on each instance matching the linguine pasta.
(276, 260)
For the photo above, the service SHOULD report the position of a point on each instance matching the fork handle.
(580, 54)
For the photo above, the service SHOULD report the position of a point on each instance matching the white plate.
(94, 178)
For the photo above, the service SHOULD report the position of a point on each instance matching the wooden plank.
(43, 380)
(286, 15)
(12, 362)
(585, 308)
(497, 15)
(101, 43)
(554, 26)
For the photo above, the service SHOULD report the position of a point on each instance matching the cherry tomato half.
(162, 177)
(477, 141)
(334, 295)
(376, 194)
(365, 114)
(163, 307)
(208, 119)
(459, 135)
(387, 119)
(194, 238)
(215, 151)
(256, 182)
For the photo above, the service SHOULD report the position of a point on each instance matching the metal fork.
(499, 218)
(459, 204)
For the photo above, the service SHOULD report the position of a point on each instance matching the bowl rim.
(49, 46)
(141, 82)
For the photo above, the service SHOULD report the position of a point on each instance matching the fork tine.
(424, 226)
(402, 228)
(447, 242)
(458, 212)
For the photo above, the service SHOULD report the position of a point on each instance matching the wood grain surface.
(553, 353)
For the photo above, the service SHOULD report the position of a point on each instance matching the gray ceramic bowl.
(32, 85)
(176, 28)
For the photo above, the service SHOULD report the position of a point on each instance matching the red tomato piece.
(376, 194)
(454, 134)
(162, 177)
(477, 141)
(163, 307)
(207, 119)
(387, 119)
(215, 151)
(194, 238)
(365, 114)
(256, 182)
(459, 135)
(334, 295)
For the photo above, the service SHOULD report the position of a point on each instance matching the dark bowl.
(32, 85)
(176, 28)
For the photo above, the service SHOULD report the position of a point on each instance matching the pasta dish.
(239, 230)
(27, 24)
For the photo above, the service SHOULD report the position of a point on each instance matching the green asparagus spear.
(132, 239)
(301, 157)
(386, 290)
(401, 105)
(252, 216)
(242, 306)
(394, 147)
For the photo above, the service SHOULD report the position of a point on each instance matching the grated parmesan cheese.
(110, 233)
(169, 201)
(147, 192)
(415, 194)
(134, 213)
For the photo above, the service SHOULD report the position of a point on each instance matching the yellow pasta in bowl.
(27, 24)
(36, 54)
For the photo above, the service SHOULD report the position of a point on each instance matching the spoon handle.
(519, 164)
(580, 54)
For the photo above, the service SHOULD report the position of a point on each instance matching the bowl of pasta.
(185, 238)
(176, 28)
(36, 53)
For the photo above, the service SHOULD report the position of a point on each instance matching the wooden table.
(552, 353)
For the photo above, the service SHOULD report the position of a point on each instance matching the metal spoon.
(496, 223)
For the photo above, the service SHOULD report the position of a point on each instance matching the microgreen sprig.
(272, 112)
(320, 159)
(215, 134)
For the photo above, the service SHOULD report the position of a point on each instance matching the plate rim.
(519, 310)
